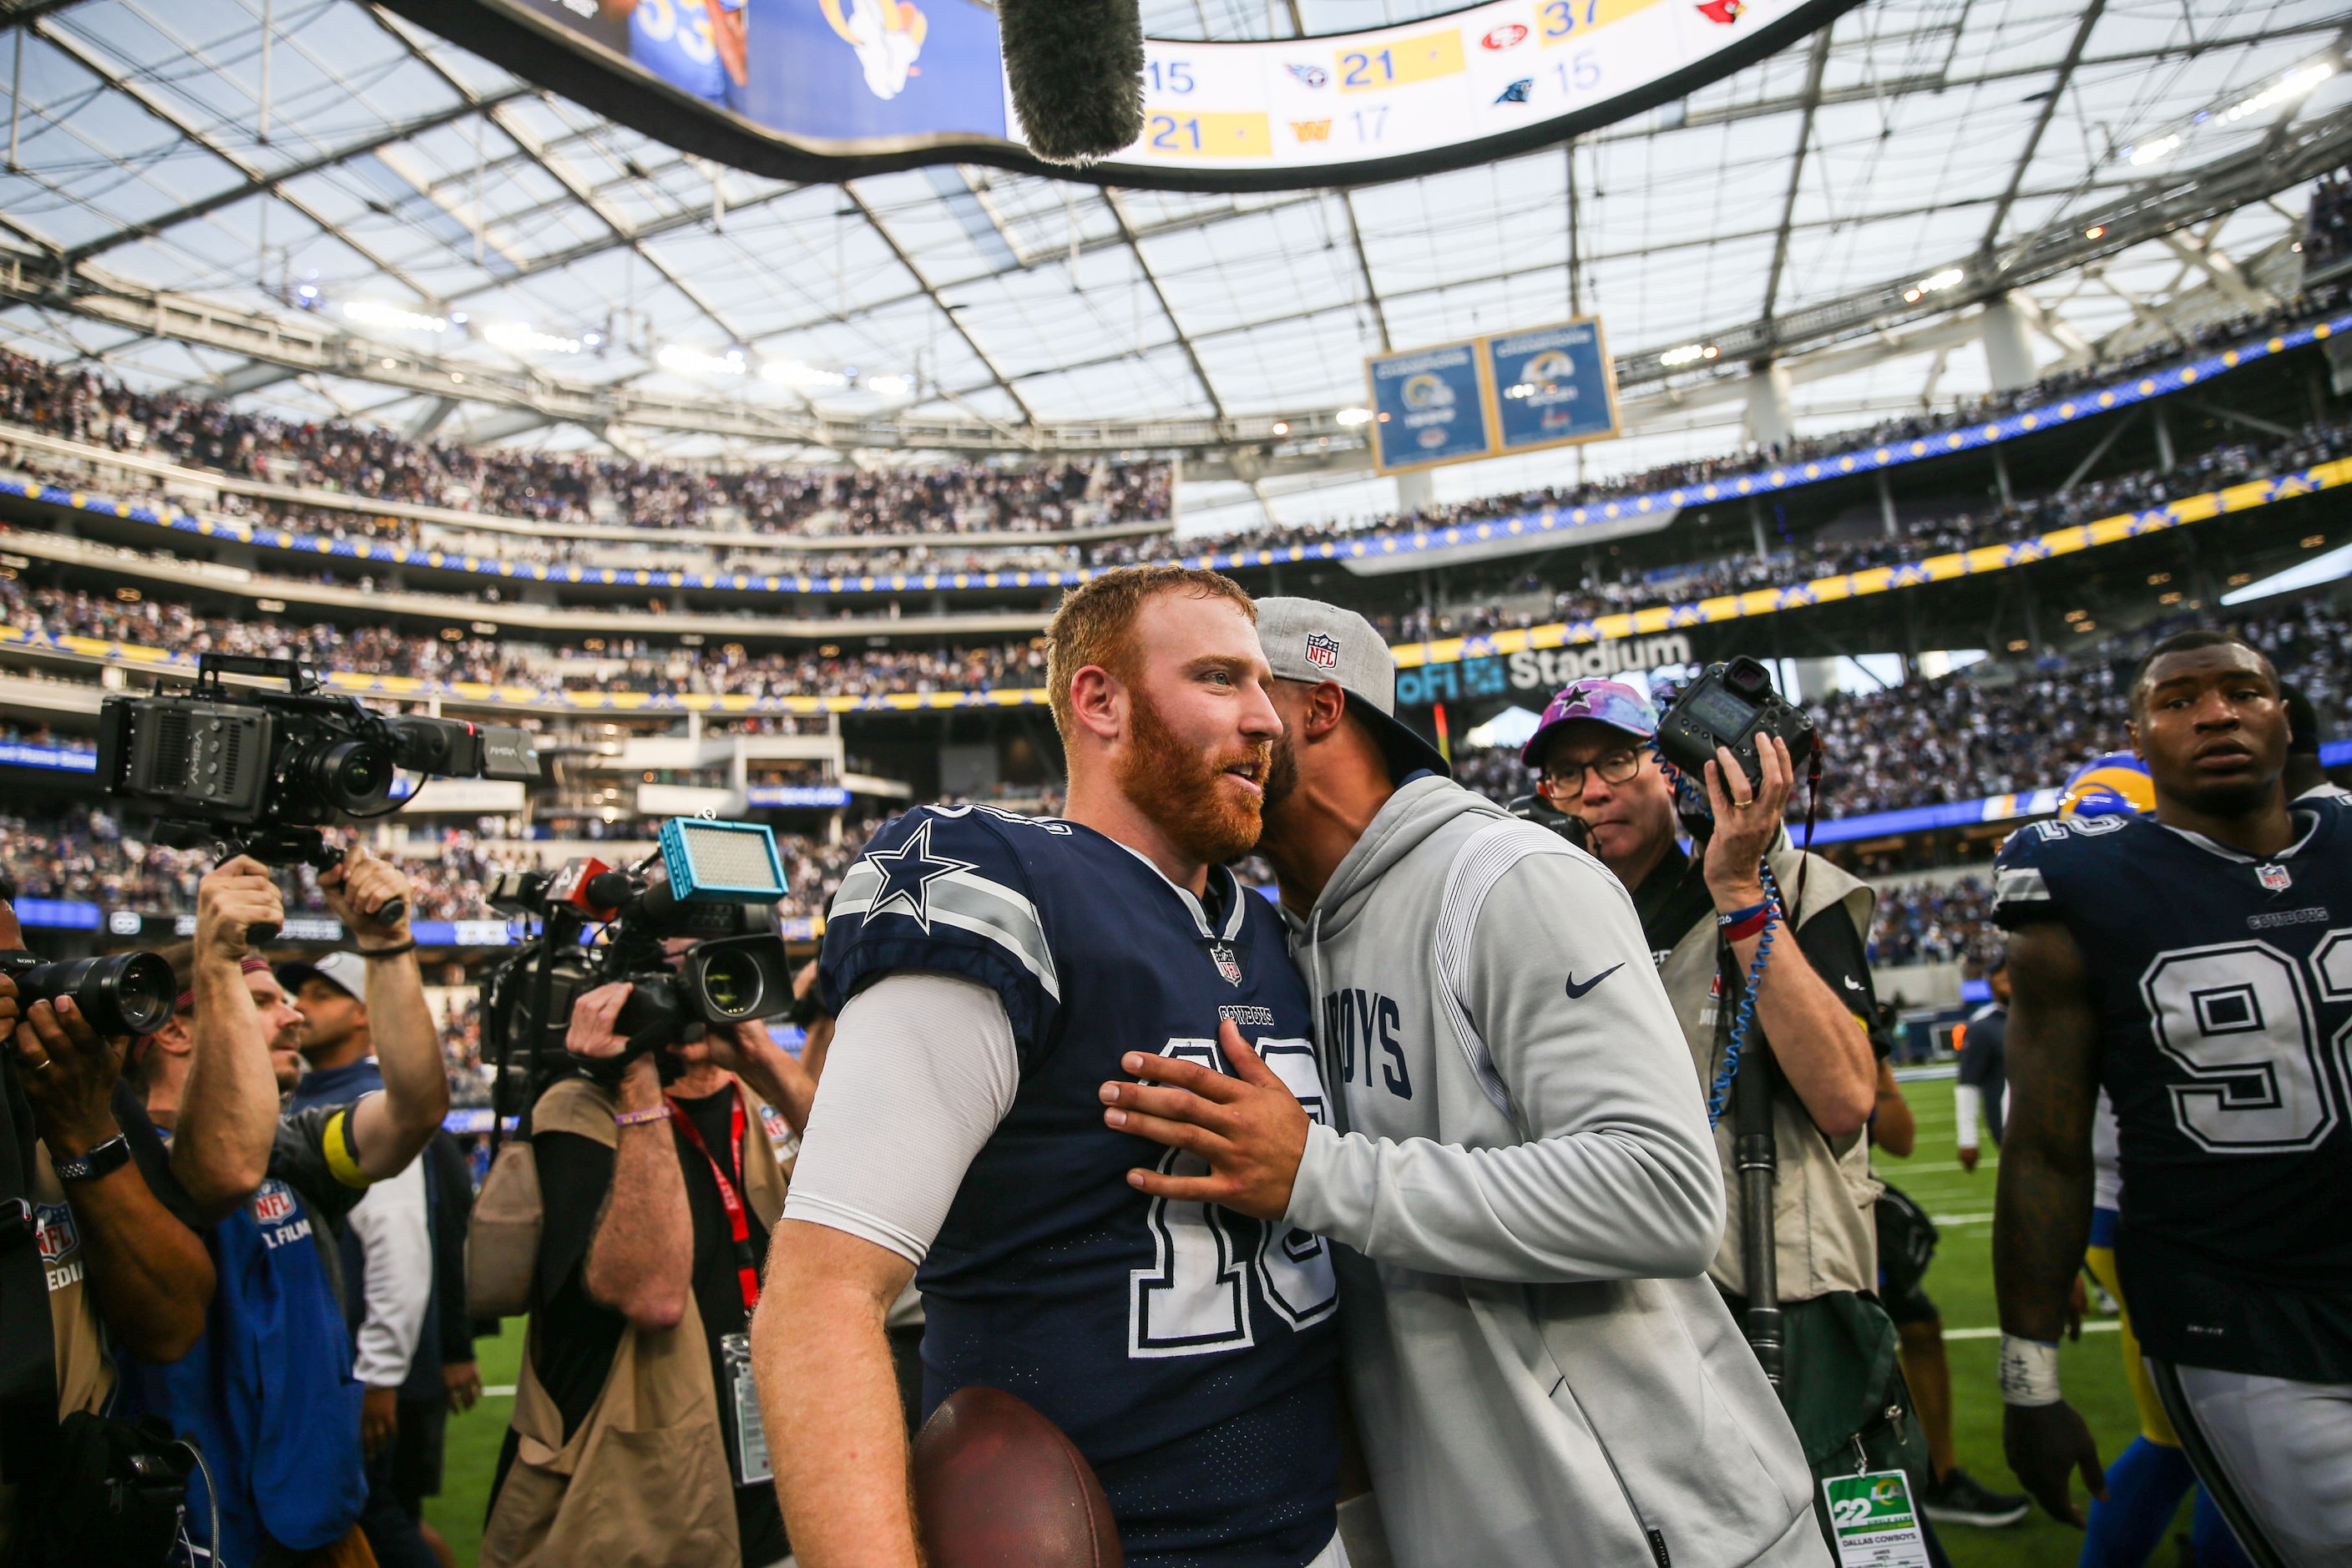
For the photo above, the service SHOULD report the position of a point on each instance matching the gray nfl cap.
(346, 972)
(1308, 640)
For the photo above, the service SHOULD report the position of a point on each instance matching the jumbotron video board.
(828, 90)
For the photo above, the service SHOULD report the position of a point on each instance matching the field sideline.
(1961, 1280)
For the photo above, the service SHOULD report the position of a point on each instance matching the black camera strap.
(1755, 1157)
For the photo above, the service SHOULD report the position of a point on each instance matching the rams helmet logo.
(1548, 369)
(2113, 785)
(1426, 390)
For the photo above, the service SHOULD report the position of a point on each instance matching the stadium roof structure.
(317, 206)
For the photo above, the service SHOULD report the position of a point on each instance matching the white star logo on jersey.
(908, 873)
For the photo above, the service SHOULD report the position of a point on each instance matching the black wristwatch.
(98, 1160)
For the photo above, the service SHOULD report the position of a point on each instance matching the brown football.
(998, 1486)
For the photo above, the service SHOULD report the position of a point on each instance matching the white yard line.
(2090, 1326)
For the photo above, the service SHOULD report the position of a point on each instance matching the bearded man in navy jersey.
(989, 972)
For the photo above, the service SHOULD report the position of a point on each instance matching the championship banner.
(1487, 398)
(1553, 387)
(1429, 407)
(832, 89)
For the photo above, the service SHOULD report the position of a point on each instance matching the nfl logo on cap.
(1322, 651)
(2276, 879)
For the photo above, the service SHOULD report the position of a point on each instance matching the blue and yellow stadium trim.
(1979, 561)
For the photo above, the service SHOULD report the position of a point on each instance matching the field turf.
(1961, 1280)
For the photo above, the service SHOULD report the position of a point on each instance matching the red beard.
(1179, 789)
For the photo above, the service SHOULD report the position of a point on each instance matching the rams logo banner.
(1517, 393)
(822, 90)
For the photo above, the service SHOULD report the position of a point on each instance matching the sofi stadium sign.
(1500, 675)
(826, 89)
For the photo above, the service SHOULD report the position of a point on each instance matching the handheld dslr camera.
(251, 771)
(707, 897)
(121, 994)
(1732, 705)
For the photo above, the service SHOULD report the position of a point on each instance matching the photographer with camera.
(269, 1392)
(660, 1183)
(1774, 1003)
(116, 1254)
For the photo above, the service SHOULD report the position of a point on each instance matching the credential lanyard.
(738, 1225)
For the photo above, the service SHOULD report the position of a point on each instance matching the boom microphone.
(1076, 68)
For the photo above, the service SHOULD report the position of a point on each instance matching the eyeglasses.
(1618, 767)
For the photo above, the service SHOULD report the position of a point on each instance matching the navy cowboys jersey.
(1188, 1351)
(2224, 989)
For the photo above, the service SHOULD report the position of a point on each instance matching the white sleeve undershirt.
(921, 1071)
(393, 1228)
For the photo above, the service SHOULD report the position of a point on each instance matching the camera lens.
(353, 778)
(121, 994)
(730, 984)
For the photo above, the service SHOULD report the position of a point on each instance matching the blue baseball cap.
(1609, 702)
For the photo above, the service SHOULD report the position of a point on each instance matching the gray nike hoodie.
(1524, 1191)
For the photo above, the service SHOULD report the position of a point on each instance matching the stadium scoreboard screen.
(830, 90)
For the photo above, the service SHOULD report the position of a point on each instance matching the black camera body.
(252, 771)
(693, 931)
(1732, 705)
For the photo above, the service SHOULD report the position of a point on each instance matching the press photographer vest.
(1821, 1226)
(272, 1371)
(654, 1432)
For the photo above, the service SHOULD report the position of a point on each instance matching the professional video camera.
(250, 771)
(712, 886)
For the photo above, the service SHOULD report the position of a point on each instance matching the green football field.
(1960, 1282)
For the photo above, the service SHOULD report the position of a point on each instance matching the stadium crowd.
(80, 405)
(89, 855)
(1934, 923)
(2230, 463)
(931, 506)
(1996, 727)
(635, 665)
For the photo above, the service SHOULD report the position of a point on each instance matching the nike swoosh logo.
(1574, 990)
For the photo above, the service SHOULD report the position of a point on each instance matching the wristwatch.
(98, 1160)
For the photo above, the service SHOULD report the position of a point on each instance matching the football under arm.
(922, 1068)
(2042, 1208)
(1615, 1177)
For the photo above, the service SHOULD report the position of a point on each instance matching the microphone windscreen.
(1076, 68)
